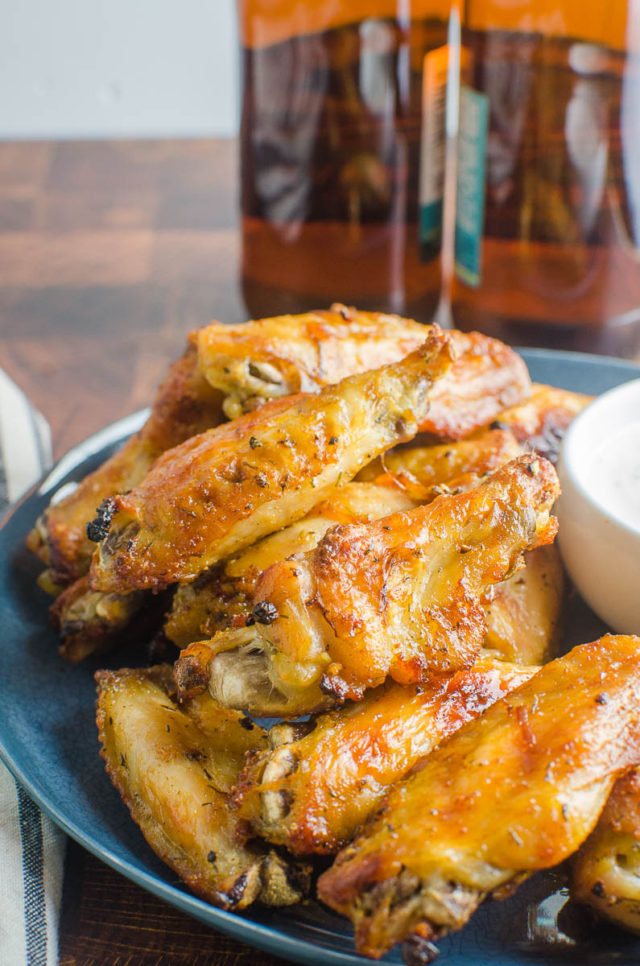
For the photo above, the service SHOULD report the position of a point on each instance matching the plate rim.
(260, 935)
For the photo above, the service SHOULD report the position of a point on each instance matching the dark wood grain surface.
(110, 252)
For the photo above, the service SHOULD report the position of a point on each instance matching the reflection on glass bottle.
(558, 257)
(331, 134)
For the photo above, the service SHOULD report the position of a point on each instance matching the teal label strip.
(431, 223)
(470, 188)
(433, 150)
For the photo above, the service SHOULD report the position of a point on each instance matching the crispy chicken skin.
(402, 596)
(312, 792)
(237, 368)
(174, 768)
(413, 476)
(211, 602)
(222, 490)
(216, 598)
(288, 354)
(486, 374)
(542, 420)
(269, 358)
(185, 404)
(605, 873)
(399, 597)
(524, 613)
(428, 471)
(516, 790)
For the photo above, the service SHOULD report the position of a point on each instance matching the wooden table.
(110, 252)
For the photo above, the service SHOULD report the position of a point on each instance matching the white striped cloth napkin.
(32, 847)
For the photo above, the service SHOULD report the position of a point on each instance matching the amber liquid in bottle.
(560, 252)
(330, 161)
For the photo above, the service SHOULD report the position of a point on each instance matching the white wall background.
(117, 68)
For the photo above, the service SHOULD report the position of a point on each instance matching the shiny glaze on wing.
(185, 404)
(274, 357)
(219, 596)
(425, 472)
(311, 793)
(222, 490)
(412, 476)
(487, 374)
(400, 597)
(516, 790)
(403, 596)
(268, 358)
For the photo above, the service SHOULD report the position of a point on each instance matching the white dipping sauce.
(599, 510)
(614, 474)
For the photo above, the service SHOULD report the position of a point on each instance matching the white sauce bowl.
(599, 533)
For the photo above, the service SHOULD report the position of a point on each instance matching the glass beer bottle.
(342, 153)
(549, 146)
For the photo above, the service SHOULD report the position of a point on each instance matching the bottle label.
(432, 150)
(470, 188)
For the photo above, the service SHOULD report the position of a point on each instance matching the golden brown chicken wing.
(320, 781)
(174, 768)
(185, 404)
(485, 374)
(270, 358)
(524, 613)
(220, 595)
(400, 597)
(516, 790)
(222, 490)
(605, 873)
(425, 472)
(541, 421)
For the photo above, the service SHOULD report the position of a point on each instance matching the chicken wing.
(222, 490)
(516, 790)
(174, 768)
(542, 420)
(217, 597)
(185, 404)
(428, 471)
(524, 613)
(90, 622)
(400, 597)
(288, 354)
(486, 373)
(605, 873)
(269, 358)
(321, 781)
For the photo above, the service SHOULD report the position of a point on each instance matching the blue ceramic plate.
(48, 739)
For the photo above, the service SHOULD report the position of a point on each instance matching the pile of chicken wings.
(342, 522)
